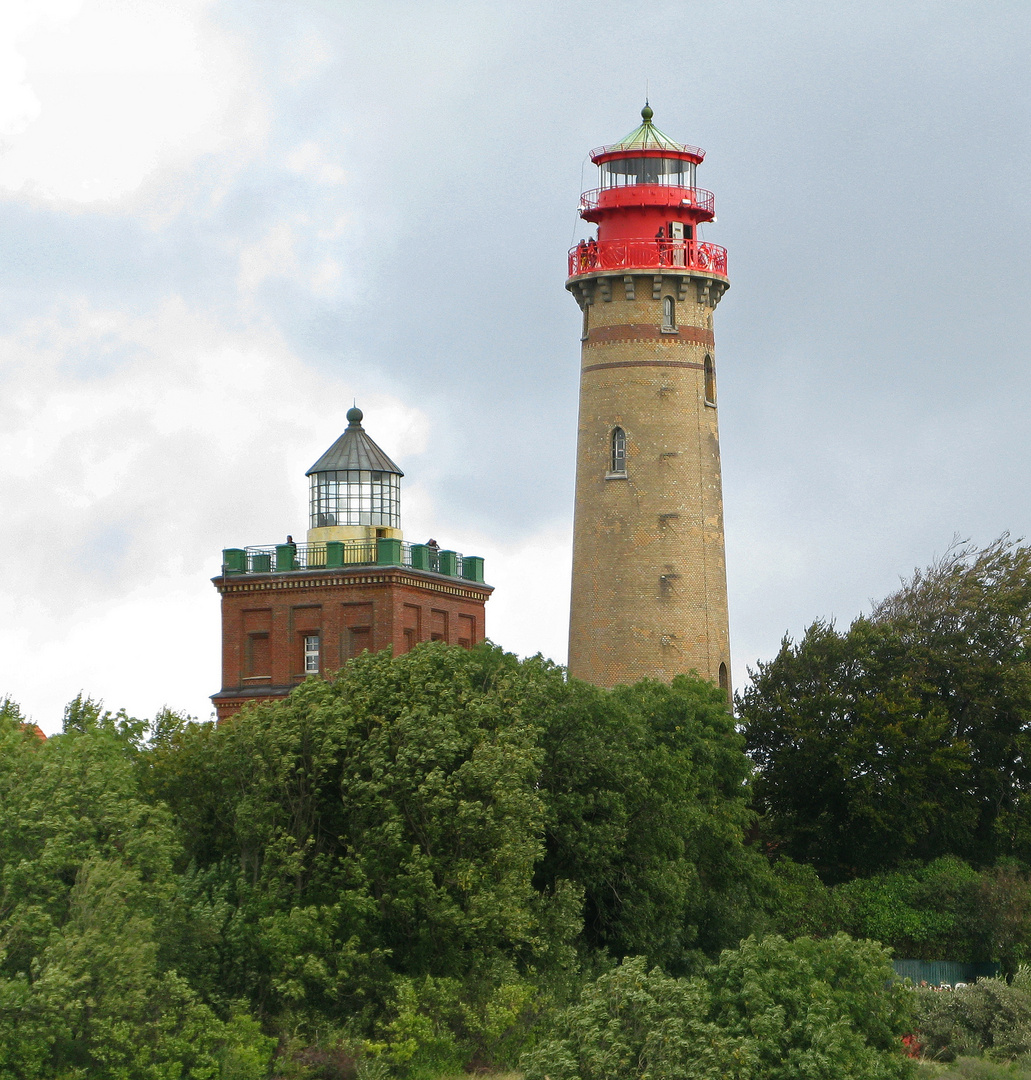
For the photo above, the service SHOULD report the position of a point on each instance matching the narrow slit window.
(617, 464)
(669, 313)
(710, 382)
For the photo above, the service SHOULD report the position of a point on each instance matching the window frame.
(617, 454)
(309, 654)
(709, 380)
(669, 315)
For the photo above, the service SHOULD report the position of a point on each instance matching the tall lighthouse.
(649, 593)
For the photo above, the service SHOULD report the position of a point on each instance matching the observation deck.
(590, 257)
(344, 554)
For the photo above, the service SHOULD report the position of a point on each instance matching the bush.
(814, 1009)
(633, 1022)
(990, 1018)
(776, 1009)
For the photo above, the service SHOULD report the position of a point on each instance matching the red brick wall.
(266, 617)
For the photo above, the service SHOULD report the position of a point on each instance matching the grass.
(967, 1068)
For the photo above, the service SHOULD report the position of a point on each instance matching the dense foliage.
(772, 1009)
(421, 856)
(991, 1018)
(907, 736)
(455, 860)
(87, 891)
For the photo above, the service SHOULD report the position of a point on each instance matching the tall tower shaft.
(649, 590)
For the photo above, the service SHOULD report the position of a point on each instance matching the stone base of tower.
(270, 620)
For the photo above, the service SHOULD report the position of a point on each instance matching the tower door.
(675, 231)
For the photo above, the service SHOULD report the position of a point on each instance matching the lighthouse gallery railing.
(594, 255)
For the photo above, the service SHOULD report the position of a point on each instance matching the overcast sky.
(223, 222)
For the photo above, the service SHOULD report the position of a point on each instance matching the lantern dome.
(355, 489)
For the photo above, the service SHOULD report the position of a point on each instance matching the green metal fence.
(338, 554)
(942, 972)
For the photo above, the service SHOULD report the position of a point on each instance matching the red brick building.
(294, 610)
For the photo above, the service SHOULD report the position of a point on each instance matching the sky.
(224, 221)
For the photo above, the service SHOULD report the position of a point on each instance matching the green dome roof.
(648, 137)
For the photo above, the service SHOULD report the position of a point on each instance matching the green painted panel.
(420, 557)
(334, 553)
(472, 568)
(447, 563)
(285, 557)
(234, 561)
(388, 552)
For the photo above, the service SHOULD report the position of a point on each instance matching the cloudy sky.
(222, 221)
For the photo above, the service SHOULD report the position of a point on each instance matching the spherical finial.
(646, 113)
(354, 416)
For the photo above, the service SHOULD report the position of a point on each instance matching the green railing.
(340, 554)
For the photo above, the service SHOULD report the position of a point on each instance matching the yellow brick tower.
(649, 593)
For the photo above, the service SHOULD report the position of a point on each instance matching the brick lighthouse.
(294, 610)
(649, 591)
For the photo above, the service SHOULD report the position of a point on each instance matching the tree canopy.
(424, 854)
(906, 736)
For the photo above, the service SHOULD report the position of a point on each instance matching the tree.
(906, 736)
(437, 834)
(87, 892)
(380, 825)
(966, 626)
(646, 801)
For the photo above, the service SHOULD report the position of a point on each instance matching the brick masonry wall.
(649, 593)
(265, 618)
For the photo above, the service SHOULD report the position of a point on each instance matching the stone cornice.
(366, 575)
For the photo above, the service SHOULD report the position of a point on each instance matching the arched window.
(710, 382)
(617, 462)
(724, 680)
(669, 313)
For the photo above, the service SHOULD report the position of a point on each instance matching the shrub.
(990, 1018)
(776, 1009)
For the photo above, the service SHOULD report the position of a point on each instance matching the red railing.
(589, 256)
(648, 195)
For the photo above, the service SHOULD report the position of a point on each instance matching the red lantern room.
(647, 208)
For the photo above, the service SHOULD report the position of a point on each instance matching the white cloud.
(276, 257)
(132, 449)
(308, 160)
(98, 96)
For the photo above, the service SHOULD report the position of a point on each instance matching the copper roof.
(648, 137)
(354, 450)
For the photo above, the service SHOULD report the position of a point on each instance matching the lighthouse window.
(311, 653)
(668, 172)
(669, 313)
(618, 458)
(710, 382)
(355, 497)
